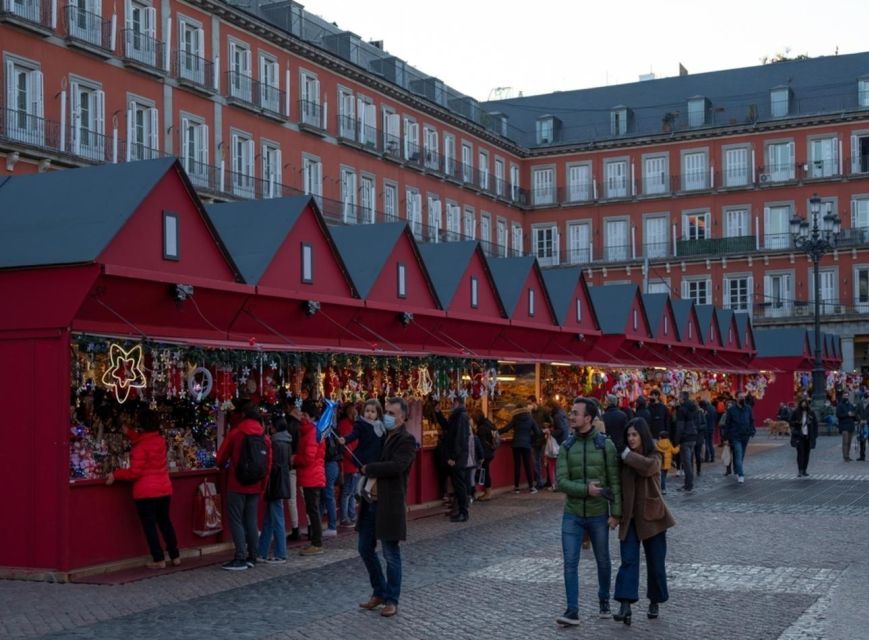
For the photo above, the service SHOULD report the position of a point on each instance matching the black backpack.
(252, 460)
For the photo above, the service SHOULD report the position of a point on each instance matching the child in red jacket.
(152, 489)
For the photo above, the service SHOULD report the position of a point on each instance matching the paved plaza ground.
(775, 558)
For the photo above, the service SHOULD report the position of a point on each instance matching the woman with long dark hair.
(645, 518)
(804, 434)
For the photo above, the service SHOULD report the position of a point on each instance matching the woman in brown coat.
(645, 518)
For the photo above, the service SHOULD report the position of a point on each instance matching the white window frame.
(863, 92)
(780, 304)
(579, 182)
(485, 227)
(737, 221)
(307, 257)
(695, 169)
(454, 221)
(467, 162)
(656, 245)
(499, 177)
(469, 223)
(656, 174)
(411, 139)
(501, 236)
(545, 130)
(518, 239)
(514, 181)
(194, 144)
(346, 113)
(777, 237)
(617, 246)
(861, 302)
(823, 156)
(545, 243)
(349, 211)
(87, 139)
(367, 198)
(616, 177)
(543, 181)
(696, 225)
(780, 102)
(737, 163)
(435, 218)
(140, 32)
(240, 71)
(579, 252)
(698, 290)
(697, 116)
(390, 201)
(309, 99)
(829, 289)
(242, 158)
(269, 97)
(312, 176)
(171, 236)
(272, 169)
(483, 167)
(143, 129)
(413, 210)
(744, 280)
(780, 163)
(191, 52)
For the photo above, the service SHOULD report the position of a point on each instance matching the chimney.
(682, 70)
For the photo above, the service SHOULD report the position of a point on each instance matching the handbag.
(726, 456)
(207, 519)
(551, 450)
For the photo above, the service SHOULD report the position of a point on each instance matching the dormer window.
(666, 326)
(690, 330)
(863, 92)
(579, 309)
(307, 263)
(530, 302)
(546, 130)
(402, 281)
(475, 293)
(170, 236)
(780, 102)
(619, 121)
(698, 109)
(636, 320)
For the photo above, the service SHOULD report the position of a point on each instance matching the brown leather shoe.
(373, 603)
(389, 610)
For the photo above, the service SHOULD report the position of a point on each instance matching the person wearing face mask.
(384, 518)
(659, 418)
(738, 430)
(804, 433)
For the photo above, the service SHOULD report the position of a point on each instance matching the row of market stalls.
(122, 290)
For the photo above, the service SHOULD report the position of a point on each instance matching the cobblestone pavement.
(776, 558)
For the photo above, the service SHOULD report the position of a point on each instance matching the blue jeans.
(710, 448)
(348, 496)
(664, 473)
(739, 447)
(327, 498)
(572, 530)
(628, 578)
(274, 527)
(388, 588)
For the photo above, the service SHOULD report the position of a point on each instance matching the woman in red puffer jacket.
(152, 489)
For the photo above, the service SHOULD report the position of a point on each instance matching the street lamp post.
(817, 236)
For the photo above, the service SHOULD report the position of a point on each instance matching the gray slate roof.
(705, 313)
(655, 303)
(510, 275)
(446, 263)
(561, 283)
(364, 249)
(724, 316)
(781, 342)
(819, 85)
(253, 230)
(682, 312)
(743, 321)
(612, 306)
(71, 216)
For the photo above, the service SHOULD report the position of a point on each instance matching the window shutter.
(75, 116)
(154, 133)
(709, 291)
(100, 116)
(128, 18)
(202, 146)
(685, 290)
(556, 245)
(185, 146)
(278, 168)
(767, 290)
(750, 297)
(726, 300)
(855, 155)
(10, 81)
(316, 86)
(235, 160)
(232, 57)
(151, 22)
(246, 59)
(853, 213)
(37, 106)
(251, 152)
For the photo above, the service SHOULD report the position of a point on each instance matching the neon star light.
(125, 371)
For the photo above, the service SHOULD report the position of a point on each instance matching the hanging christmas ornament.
(125, 371)
(199, 384)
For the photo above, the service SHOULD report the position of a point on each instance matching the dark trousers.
(523, 457)
(387, 587)
(710, 448)
(804, 448)
(242, 509)
(538, 467)
(487, 478)
(312, 510)
(686, 457)
(628, 578)
(154, 514)
(459, 476)
(698, 452)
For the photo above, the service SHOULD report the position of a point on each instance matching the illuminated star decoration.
(125, 371)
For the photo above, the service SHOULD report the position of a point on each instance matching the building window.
(545, 130)
(271, 170)
(579, 243)
(579, 188)
(485, 227)
(242, 165)
(619, 121)
(312, 177)
(655, 240)
(616, 247)
(390, 202)
(143, 133)
(194, 150)
(824, 157)
(402, 280)
(863, 92)
(140, 33)
(366, 121)
(269, 85)
(776, 227)
(170, 236)
(411, 140)
(518, 240)
(695, 226)
(501, 239)
(656, 178)
(470, 223)
(531, 302)
(87, 120)
(658, 286)
(483, 162)
(368, 195)
(695, 170)
(698, 291)
(861, 289)
(544, 242)
(430, 148)
(240, 80)
(391, 133)
(616, 174)
(191, 56)
(85, 21)
(467, 164)
(544, 186)
(829, 290)
(779, 102)
(454, 222)
(636, 321)
(736, 223)
(514, 182)
(307, 263)
(449, 155)
(697, 112)
(435, 219)
(475, 302)
(666, 325)
(309, 100)
(346, 114)
(413, 203)
(737, 293)
(778, 294)
(737, 167)
(779, 162)
(579, 309)
(499, 177)
(348, 196)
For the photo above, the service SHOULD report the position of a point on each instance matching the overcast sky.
(542, 46)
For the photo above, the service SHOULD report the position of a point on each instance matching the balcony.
(432, 160)
(803, 312)
(260, 97)
(779, 173)
(413, 154)
(35, 15)
(143, 52)
(88, 31)
(194, 72)
(715, 246)
(311, 117)
(27, 130)
(92, 145)
(392, 147)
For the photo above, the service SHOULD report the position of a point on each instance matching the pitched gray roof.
(364, 248)
(253, 230)
(781, 342)
(705, 313)
(446, 263)
(561, 283)
(510, 275)
(612, 306)
(71, 216)
(818, 85)
(655, 303)
(743, 321)
(724, 316)
(682, 312)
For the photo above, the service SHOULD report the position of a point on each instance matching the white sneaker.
(740, 479)
(330, 533)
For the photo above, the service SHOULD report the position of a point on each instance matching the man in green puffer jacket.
(587, 471)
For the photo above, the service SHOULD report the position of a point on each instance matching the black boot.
(294, 535)
(624, 613)
(653, 610)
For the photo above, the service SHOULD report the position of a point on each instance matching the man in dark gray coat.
(458, 439)
(384, 517)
